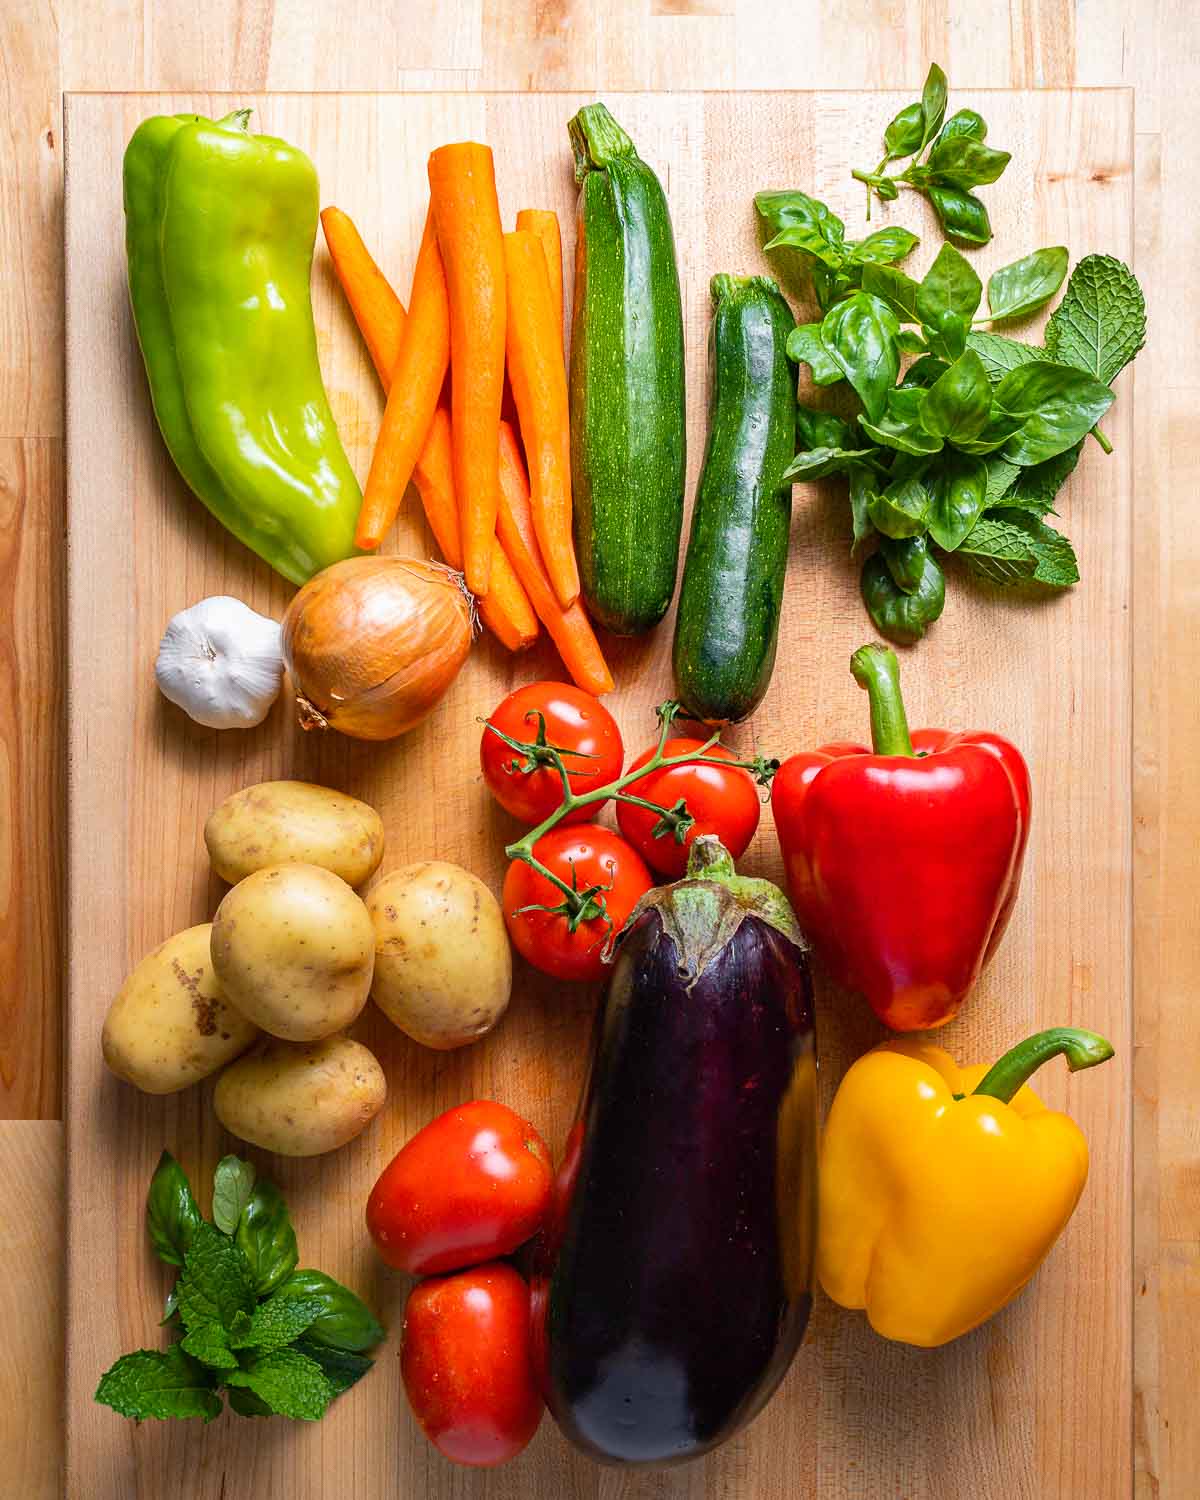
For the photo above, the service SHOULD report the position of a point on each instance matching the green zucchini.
(628, 455)
(727, 626)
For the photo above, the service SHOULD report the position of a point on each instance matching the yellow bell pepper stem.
(942, 1188)
(1082, 1049)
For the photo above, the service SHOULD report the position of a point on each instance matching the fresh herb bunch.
(278, 1340)
(957, 161)
(966, 448)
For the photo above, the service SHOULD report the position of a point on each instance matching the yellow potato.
(171, 1024)
(293, 947)
(301, 1100)
(443, 969)
(285, 822)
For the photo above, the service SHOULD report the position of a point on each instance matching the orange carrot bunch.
(484, 306)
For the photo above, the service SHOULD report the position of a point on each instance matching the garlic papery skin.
(221, 663)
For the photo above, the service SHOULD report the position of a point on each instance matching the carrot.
(377, 310)
(462, 185)
(569, 629)
(544, 223)
(505, 609)
(417, 377)
(539, 385)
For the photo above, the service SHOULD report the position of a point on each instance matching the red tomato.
(587, 856)
(469, 1186)
(724, 802)
(577, 724)
(467, 1366)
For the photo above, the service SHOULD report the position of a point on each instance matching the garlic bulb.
(221, 663)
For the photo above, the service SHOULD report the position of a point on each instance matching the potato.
(293, 947)
(171, 1024)
(443, 970)
(289, 822)
(301, 1100)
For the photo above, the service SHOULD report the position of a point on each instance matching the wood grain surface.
(142, 779)
(472, 44)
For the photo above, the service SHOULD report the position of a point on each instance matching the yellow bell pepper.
(942, 1189)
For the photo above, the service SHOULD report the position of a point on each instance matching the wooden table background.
(566, 44)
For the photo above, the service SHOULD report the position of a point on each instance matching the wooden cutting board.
(1037, 1403)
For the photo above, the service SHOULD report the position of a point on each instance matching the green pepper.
(219, 234)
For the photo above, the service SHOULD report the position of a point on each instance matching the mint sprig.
(252, 1328)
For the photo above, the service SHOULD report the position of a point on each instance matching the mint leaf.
(1053, 554)
(1036, 487)
(341, 1368)
(1000, 355)
(290, 1383)
(266, 1238)
(278, 1321)
(159, 1383)
(171, 1212)
(1000, 476)
(216, 1283)
(233, 1183)
(998, 551)
(208, 1344)
(1100, 324)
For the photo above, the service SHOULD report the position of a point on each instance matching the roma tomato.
(576, 724)
(722, 801)
(471, 1185)
(583, 858)
(467, 1366)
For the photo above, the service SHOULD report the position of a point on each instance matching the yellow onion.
(373, 643)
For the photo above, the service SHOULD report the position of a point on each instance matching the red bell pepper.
(903, 864)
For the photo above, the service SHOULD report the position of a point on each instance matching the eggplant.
(673, 1282)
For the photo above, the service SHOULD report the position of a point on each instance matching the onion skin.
(373, 643)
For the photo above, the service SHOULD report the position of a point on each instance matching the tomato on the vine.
(587, 859)
(577, 725)
(721, 800)
(467, 1364)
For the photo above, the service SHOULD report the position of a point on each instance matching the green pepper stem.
(876, 669)
(1082, 1049)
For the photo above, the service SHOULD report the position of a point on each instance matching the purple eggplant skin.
(674, 1280)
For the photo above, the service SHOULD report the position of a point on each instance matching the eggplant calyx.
(702, 912)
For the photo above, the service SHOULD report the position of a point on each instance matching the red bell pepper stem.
(1082, 1049)
(876, 669)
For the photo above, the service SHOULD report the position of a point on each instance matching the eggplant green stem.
(876, 669)
(1082, 1049)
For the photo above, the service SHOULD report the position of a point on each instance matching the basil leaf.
(885, 247)
(811, 241)
(804, 346)
(344, 1322)
(816, 463)
(949, 286)
(1101, 322)
(906, 436)
(1058, 405)
(862, 488)
(266, 1238)
(961, 161)
(905, 132)
(933, 103)
(886, 188)
(946, 335)
(961, 215)
(1000, 355)
(903, 617)
(820, 429)
(893, 287)
(900, 510)
(957, 404)
(233, 1182)
(909, 341)
(965, 122)
(905, 558)
(1019, 289)
(341, 1369)
(860, 334)
(781, 210)
(246, 1403)
(216, 1281)
(160, 1383)
(957, 487)
(924, 372)
(172, 1214)
(1034, 489)
(994, 434)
